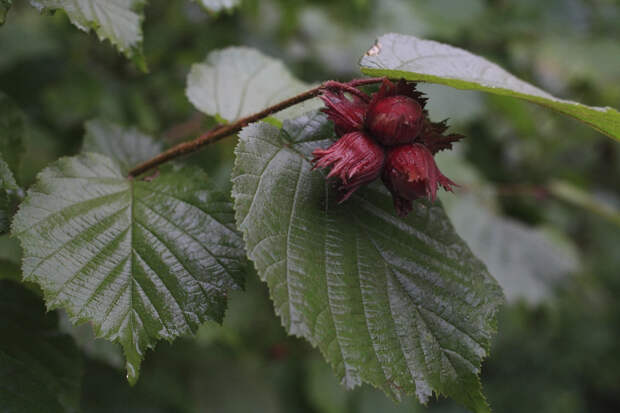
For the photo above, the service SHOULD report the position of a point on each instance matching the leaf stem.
(223, 131)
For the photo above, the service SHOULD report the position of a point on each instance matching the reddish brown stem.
(331, 84)
(219, 133)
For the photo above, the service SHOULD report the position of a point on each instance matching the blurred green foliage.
(556, 356)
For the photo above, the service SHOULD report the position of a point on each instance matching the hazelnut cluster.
(387, 134)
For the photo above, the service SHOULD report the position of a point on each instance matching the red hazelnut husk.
(347, 114)
(395, 120)
(355, 159)
(410, 172)
(396, 113)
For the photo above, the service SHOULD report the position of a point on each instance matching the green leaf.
(5, 5)
(238, 81)
(216, 6)
(400, 56)
(399, 303)
(40, 368)
(128, 147)
(12, 133)
(118, 21)
(140, 260)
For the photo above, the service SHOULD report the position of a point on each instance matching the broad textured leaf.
(12, 133)
(396, 56)
(5, 5)
(399, 303)
(140, 260)
(127, 146)
(216, 6)
(40, 368)
(239, 81)
(118, 21)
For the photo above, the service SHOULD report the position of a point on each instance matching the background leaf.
(216, 6)
(140, 260)
(128, 146)
(8, 187)
(401, 304)
(118, 21)
(5, 5)
(41, 368)
(396, 56)
(238, 81)
(12, 133)
(527, 261)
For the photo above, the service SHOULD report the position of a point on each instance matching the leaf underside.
(142, 261)
(399, 303)
(128, 147)
(238, 81)
(401, 56)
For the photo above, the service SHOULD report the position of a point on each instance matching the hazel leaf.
(401, 304)
(411, 58)
(142, 260)
(238, 81)
(41, 367)
(118, 21)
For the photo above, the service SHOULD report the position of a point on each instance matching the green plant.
(142, 244)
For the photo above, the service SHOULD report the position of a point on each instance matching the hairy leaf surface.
(239, 81)
(396, 56)
(140, 260)
(399, 303)
(118, 21)
(40, 368)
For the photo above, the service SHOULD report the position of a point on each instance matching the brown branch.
(219, 133)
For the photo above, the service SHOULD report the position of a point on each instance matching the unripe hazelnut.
(410, 172)
(395, 120)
